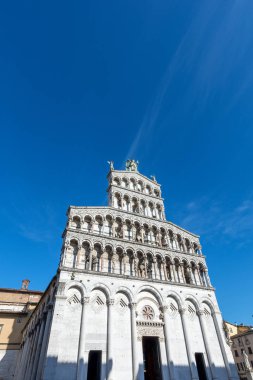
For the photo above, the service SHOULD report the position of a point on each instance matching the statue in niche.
(149, 269)
(188, 276)
(138, 236)
(157, 240)
(135, 264)
(94, 262)
(141, 267)
(168, 271)
(114, 259)
(87, 260)
(132, 165)
(164, 241)
(111, 163)
(120, 232)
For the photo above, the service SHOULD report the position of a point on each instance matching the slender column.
(113, 228)
(206, 343)
(179, 271)
(191, 359)
(110, 303)
(175, 242)
(78, 255)
(44, 343)
(154, 266)
(38, 348)
(90, 259)
(167, 343)
(142, 235)
(182, 273)
(174, 278)
(134, 341)
(208, 282)
(221, 343)
(123, 230)
(200, 278)
(164, 274)
(81, 359)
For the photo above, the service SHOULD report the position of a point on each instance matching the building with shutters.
(16, 307)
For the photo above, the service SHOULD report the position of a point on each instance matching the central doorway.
(94, 365)
(201, 368)
(151, 358)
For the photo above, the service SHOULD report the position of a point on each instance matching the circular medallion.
(148, 313)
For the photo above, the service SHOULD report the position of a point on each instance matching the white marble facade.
(125, 274)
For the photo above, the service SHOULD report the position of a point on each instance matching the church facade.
(131, 300)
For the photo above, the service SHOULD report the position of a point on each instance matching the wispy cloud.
(208, 217)
(214, 45)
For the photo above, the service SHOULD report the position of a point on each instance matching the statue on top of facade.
(132, 165)
(111, 163)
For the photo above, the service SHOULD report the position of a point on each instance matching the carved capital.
(182, 310)
(85, 300)
(110, 302)
(164, 308)
(200, 312)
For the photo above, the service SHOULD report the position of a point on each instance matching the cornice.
(126, 277)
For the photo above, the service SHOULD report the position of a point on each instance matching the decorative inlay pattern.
(73, 299)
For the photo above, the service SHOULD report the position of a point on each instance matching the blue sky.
(166, 82)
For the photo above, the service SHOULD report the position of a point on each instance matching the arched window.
(140, 186)
(108, 225)
(159, 267)
(98, 226)
(132, 184)
(126, 203)
(149, 266)
(76, 222)
(116, 181)
(129, 232)
(87, 223)
(124, 182)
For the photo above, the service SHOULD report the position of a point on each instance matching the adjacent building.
(241, 342)
(16, 307)
(132, 298)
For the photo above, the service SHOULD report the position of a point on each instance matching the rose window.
(148, 313)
